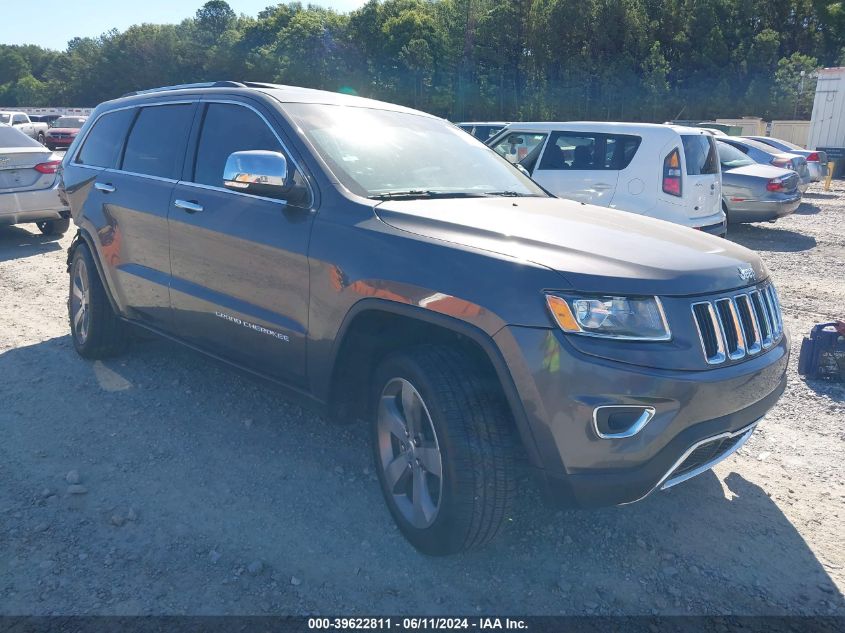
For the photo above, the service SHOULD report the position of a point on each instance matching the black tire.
(103, 334)
(40, 138)
(54, 227)
(471, 424)
(52, 148)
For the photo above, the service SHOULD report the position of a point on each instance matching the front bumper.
(17, 207)
(762, 210)
(59, 142)
(561, 387)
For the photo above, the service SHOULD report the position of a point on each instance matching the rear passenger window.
(588, 151)
(103, 143)
(700, 153)
(156, 143)
(228, 128)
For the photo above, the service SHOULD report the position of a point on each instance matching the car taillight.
(49, 167)
(814, 157)
(776, 184)
(672, 173)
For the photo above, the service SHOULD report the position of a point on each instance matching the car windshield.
(69, 121)
(389, 154)
(730, 157)
(10, 137)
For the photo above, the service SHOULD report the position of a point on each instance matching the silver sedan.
(29, 184)
(752, 192)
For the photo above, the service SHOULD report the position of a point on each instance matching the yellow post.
(830, 167)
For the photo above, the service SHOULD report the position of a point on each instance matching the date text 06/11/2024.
(416, 624)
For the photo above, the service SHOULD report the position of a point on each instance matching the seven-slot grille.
(740, 325)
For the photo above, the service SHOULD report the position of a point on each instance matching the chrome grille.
(738, 326)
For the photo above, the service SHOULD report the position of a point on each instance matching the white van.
(663, 171)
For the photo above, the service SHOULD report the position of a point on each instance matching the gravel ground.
(164, 483)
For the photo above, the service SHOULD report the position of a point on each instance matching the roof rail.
(206, 84)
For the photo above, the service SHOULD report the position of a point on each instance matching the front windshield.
(69, 122)
(383, 153)
(730, 157)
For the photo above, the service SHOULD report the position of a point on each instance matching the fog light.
(620, 421)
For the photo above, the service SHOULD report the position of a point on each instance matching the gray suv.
(381, 264)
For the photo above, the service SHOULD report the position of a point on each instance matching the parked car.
(20, 121)
(63, 131)
(816, 160)
(482, 130)
(663, 171)
(752, 192)
(768, 155)
(384, 265)
(29, 184)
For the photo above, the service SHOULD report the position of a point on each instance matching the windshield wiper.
(421, 194)
(508, 194)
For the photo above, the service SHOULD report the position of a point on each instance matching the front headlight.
(629, 318)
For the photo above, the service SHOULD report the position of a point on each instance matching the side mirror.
(259, 172)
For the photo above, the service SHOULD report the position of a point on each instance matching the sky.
(51, 23)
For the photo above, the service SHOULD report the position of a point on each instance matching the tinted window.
(5, 118)
(103, 143)
(589, 151)
(156, 143)
(18, 118)
(701, 155)
(228, 128)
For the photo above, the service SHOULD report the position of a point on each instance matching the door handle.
(104, 187)
(601, 186)
(187, 205)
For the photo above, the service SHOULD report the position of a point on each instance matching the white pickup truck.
(20, 121)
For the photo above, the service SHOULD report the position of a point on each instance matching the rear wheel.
(53, 227)
(96, 330)
(40, 138)
(443, 453)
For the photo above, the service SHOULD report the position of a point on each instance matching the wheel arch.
(83, 237)
(374, 327)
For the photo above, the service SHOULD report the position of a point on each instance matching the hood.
(595, 249)
(64, 130)
(759, 170)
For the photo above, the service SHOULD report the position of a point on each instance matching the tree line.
(646, 60)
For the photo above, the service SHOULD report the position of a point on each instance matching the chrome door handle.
(187, 205)
(104, 187)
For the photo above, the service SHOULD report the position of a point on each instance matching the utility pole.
(798, 96)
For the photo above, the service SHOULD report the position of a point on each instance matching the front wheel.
(53, 227)
(443, 449)
(40, 138)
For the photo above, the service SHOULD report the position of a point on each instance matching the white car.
(662, 171)
(29, 184)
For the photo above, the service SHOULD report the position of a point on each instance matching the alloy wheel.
(80, 301)
(409, 453)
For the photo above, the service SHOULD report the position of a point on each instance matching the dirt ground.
(165, 483)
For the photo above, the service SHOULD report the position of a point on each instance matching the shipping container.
(827, 128)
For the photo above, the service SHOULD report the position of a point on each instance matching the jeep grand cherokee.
(382, 264)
